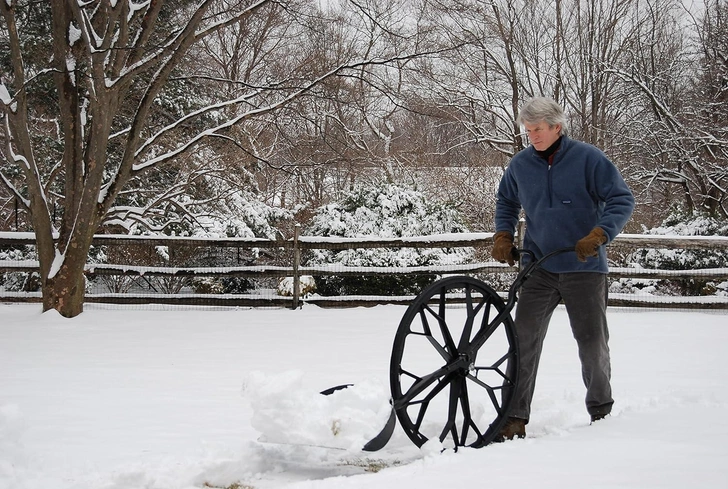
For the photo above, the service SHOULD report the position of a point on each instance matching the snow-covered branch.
(295, 93)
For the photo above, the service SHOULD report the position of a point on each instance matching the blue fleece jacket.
(563, 202)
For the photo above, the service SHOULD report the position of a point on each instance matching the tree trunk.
(65, 292)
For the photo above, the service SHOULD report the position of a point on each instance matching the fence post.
(296, 263)
(520, 234)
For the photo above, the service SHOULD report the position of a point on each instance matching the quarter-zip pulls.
(548, 155)
(550, 183)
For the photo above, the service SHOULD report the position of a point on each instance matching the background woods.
(241, 118)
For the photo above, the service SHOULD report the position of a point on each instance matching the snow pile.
(285, 412)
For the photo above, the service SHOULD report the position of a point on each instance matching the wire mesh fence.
(134, 271)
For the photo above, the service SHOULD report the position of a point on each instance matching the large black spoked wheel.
(454, 364)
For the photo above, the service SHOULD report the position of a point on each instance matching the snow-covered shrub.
(20, 281)
(242, 215)
(235, 214)
(117, 284)
(637, 285)
(207, 285)
(721, 289)
(307, 286)
(387, 211)
(684, 259)
(237, 285)
(227, 285)
(238, 215)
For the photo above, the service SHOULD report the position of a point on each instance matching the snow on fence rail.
(290, 251)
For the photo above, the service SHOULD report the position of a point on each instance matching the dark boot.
(598, 417)
(514, 427)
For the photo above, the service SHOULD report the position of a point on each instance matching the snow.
(5, 97)
(199, 398)
(74, 34)
(71, 67)
(57, 264)
(430, 238)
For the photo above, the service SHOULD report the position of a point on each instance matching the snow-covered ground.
(182, 399)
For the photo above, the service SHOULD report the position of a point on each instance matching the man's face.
(542, 135)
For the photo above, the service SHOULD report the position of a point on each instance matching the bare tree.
(112, 65)
(621, 68)
(594, 34)
(676, 136)
(482, 80)
(347, 128)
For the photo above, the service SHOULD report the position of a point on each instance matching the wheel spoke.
(444, 330)
(450, 426)
(428, 334)
(420, 384)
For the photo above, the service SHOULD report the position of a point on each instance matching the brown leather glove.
(589, 244)
(503, 249)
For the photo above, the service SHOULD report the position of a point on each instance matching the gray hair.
(543, 109)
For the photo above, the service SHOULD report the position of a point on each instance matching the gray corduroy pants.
(585, 296)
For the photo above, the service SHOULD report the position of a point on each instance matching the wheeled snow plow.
(454, 363)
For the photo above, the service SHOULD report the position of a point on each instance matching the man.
(572, 196)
